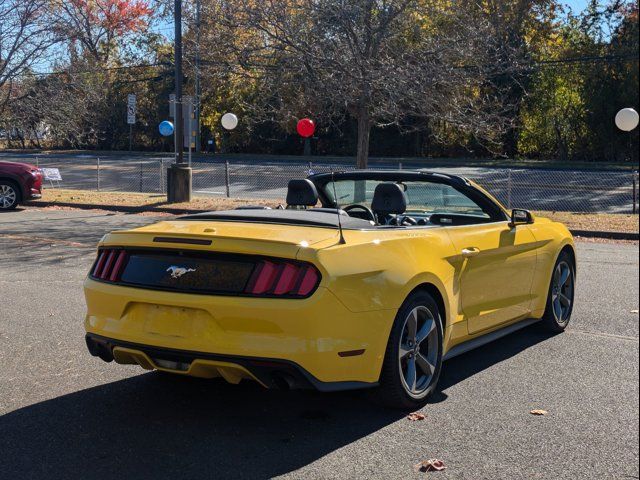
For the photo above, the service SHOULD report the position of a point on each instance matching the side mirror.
(520, 217)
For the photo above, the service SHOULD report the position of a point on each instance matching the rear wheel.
(413, 359)
(9, 195)
(561, 294)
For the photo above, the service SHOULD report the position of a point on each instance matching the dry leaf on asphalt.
(433, 465)
(415, 416)
(538, 412)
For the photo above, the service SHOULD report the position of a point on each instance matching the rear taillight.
(109, 265)
(282, 278)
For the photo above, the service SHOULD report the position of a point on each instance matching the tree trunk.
(364, 132)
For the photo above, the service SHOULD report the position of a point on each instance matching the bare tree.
(379, 61)
(25, 39)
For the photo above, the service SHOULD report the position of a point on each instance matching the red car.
(18, 182)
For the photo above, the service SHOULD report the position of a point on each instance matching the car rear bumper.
(315, 342)
(270, 373)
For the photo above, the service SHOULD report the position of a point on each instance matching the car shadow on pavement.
(464, 366)
(165, 427)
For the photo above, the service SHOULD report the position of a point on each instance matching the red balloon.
(306, 128)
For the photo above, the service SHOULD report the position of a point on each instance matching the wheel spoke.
(564, 276)
(412, 325)
(564, 300)
(404, 350)
(428, 327)
(557, 308)
(424, 364)
(411, 374)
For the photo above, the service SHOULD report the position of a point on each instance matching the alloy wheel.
(8, 196)
(418, 352)
(562, 292)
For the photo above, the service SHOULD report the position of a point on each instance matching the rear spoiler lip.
(195, 239)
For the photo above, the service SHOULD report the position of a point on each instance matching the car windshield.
(422, 196)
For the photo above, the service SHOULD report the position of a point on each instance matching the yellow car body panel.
(340, 333)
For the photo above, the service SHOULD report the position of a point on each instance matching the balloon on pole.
(166, 128)
(306, 128)
(627, 119)
(229, 121)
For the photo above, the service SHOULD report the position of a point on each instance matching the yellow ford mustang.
(394, 273)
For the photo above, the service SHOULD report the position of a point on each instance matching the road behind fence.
(536, 189)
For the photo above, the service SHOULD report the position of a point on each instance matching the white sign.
(131, 109)
(51, 174)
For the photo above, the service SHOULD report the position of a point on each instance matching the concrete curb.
(181, 211)
(608, 235)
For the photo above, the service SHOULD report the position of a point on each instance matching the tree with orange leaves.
(98, 25)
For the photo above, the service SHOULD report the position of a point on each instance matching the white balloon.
(229, 121)
(627, 119)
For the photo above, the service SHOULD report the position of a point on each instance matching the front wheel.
(8, 196)
(413, 359)
(561, 294)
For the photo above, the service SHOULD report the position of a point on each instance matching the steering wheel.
(364, 208)
(408, 221)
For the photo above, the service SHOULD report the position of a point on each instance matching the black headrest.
(389, 198)
(302, 193)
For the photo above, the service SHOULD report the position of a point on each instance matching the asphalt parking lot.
(65, 414)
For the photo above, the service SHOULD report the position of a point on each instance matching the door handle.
(470, 252)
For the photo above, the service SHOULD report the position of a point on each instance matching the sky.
(577, 5)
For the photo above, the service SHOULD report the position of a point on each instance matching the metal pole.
(130, 137)
(197, 86)
(227, 179)
(190, 127)
(98, 176)
(635, 192)
(509, 189)
(161, 163)
(141, 174)
(178, 81)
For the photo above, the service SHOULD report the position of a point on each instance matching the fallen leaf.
(416, 416)
(538, 412)
(433, 465)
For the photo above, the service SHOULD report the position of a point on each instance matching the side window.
(352, 191)
(443, 199)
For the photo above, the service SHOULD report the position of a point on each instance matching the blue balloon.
(166, 128)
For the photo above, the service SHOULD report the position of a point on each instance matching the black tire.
(9, 195)
(557, 313)
(393, 390)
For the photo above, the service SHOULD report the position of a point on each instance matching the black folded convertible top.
(309, 218)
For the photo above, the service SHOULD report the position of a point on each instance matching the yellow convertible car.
(367, 279)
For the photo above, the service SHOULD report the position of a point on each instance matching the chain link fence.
(536, 189)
